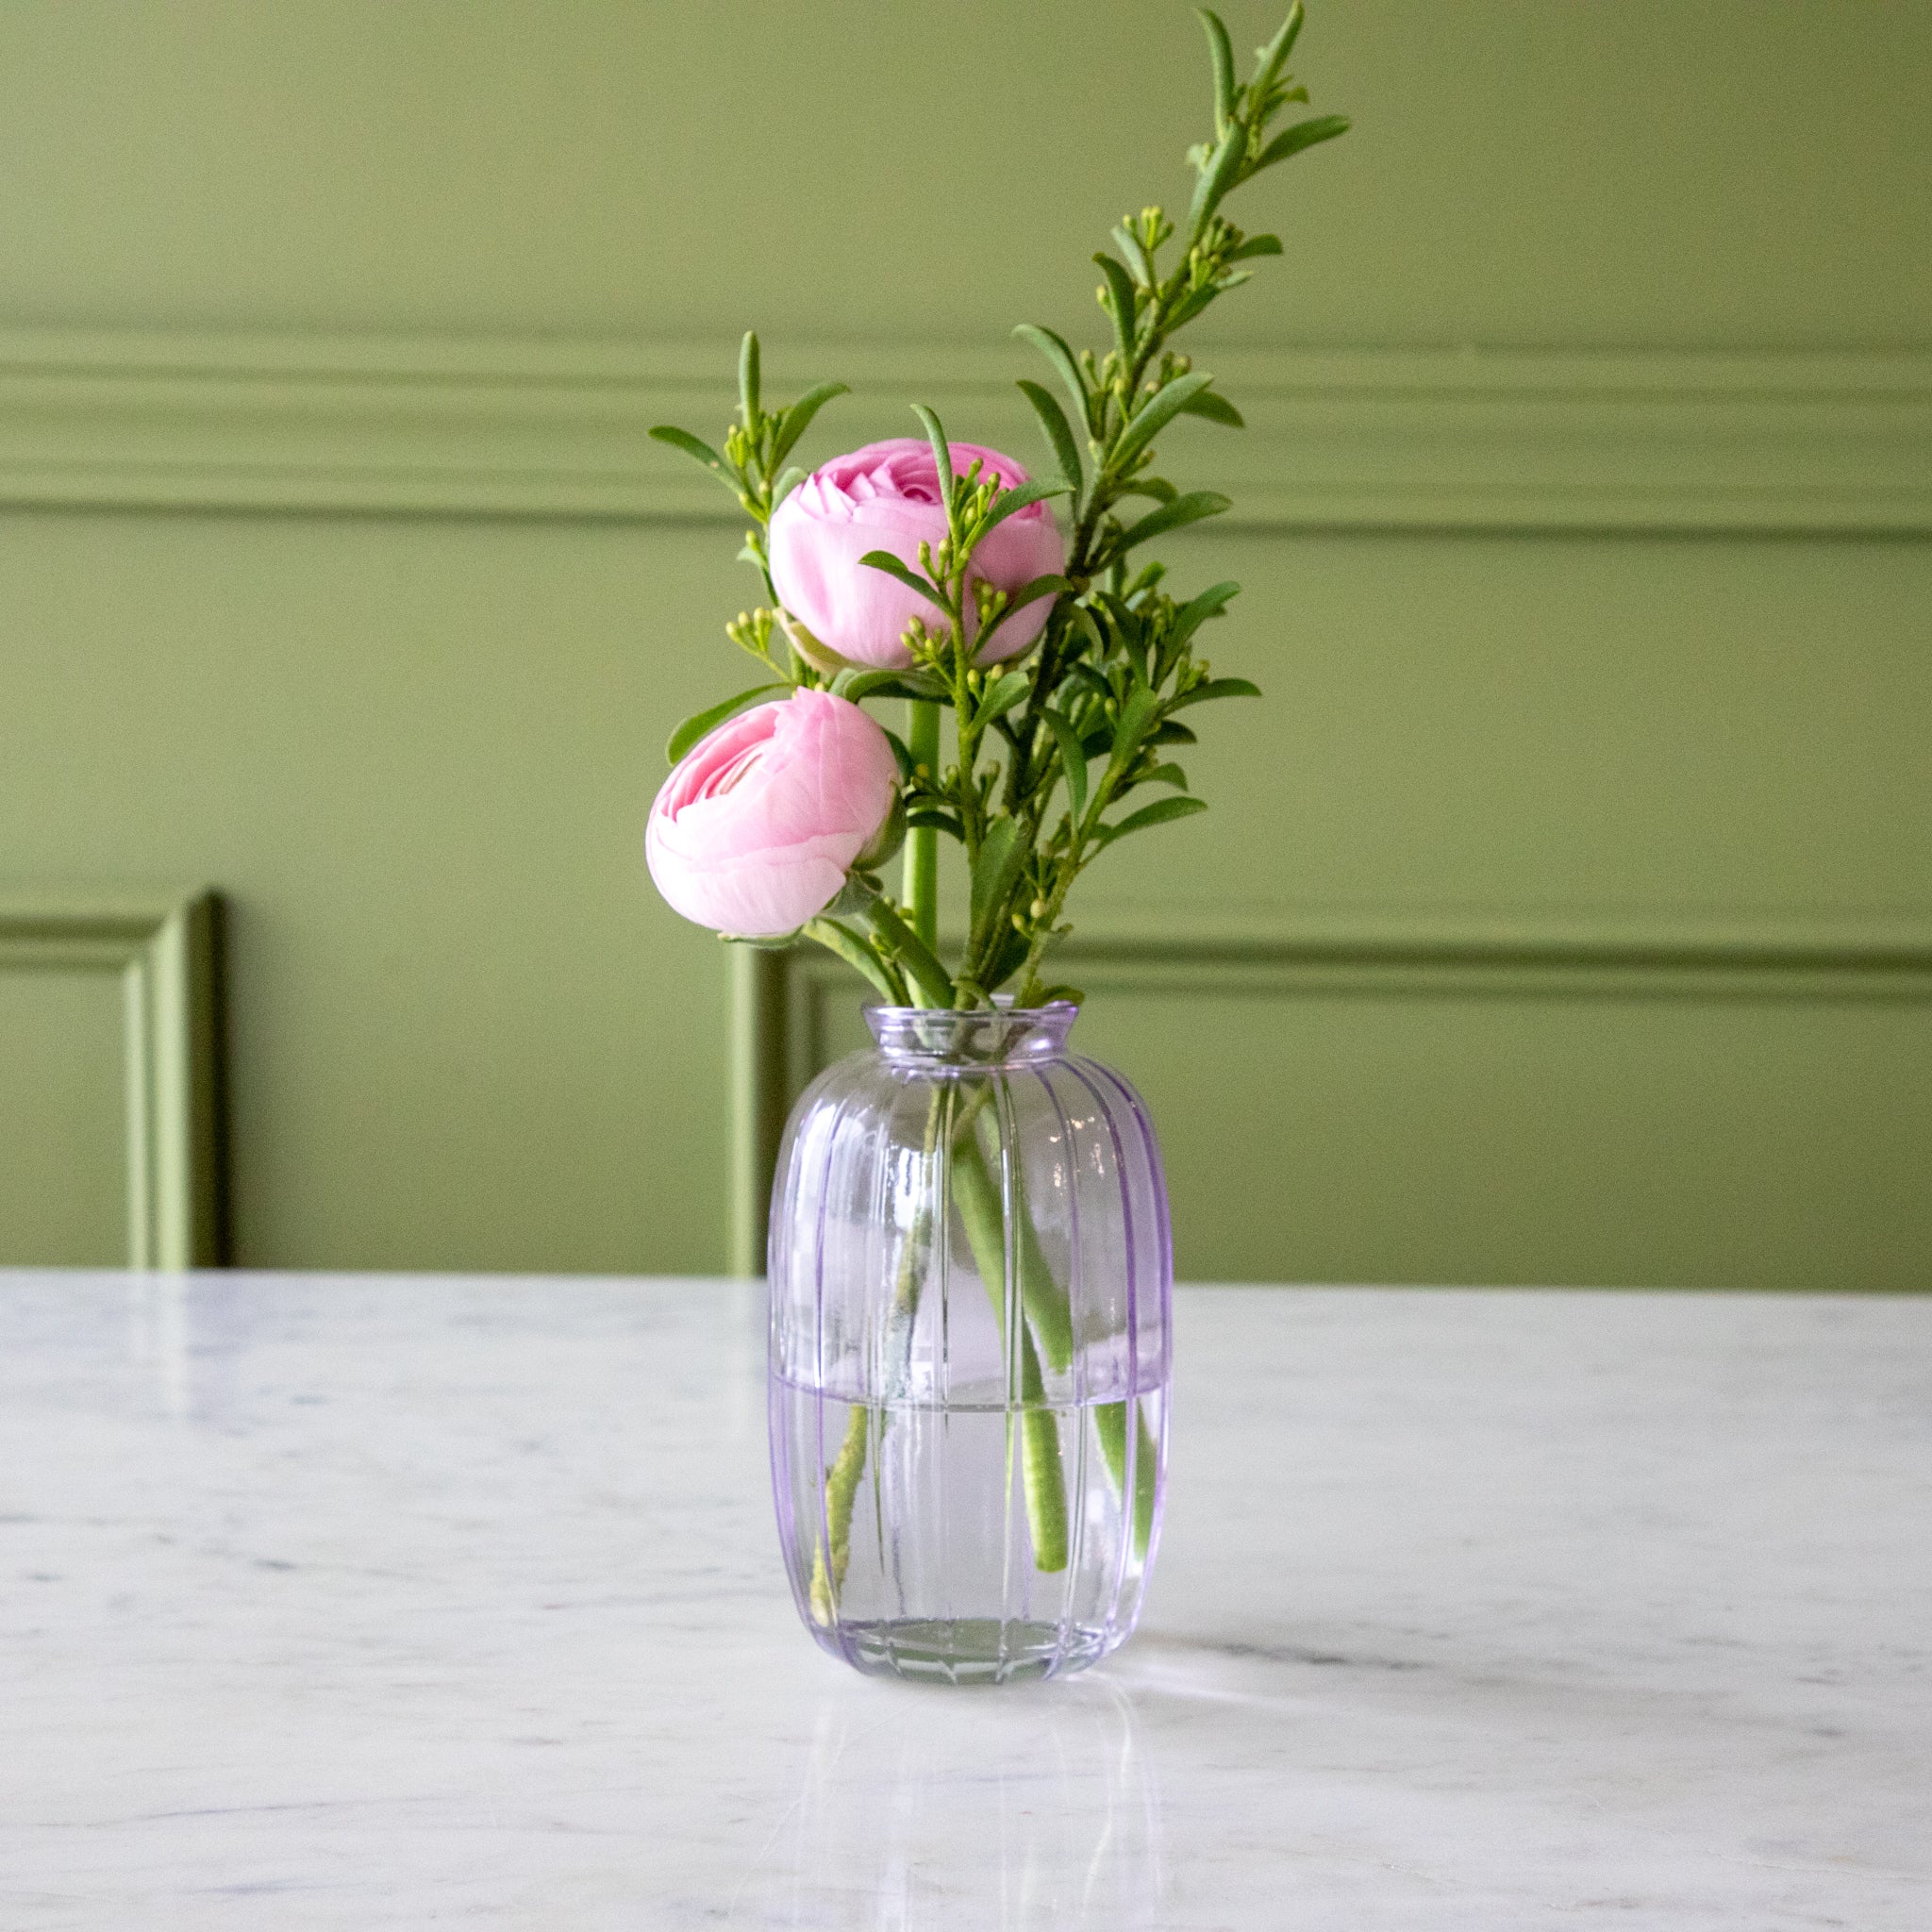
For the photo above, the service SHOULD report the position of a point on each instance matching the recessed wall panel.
(63, 1119)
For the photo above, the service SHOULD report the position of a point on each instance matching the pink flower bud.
(755, 830)
(886, 497)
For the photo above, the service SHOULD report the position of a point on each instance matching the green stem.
(831, 1558)
(915, 1255)
(1039, 1462)
(1047, 1316)
(841, 1488)
(1110, 1420)
(983, 1216)
(1041, 1296)
(921, 874)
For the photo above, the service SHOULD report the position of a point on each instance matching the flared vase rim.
(973, 1037)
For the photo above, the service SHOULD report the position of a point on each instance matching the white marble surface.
(360, 1602)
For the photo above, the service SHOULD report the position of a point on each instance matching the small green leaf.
(1128, 631)
(1221, 51)
(1172, 732)
(897, 566)
(1194, 613)
(1057, 352)
(1137, 258)
(1013, 501)
(1164, 775)
(1218, 177)
(1266, 86)
(1160, 814)
(1072, 761)
(942, 453)
(905, 946)
(1157, 487)
(854, 684)
(1001, 696)
(902, 752)
(748, 380)
(847, 944)
(1219, 688)
(1189, 508)
(1059, 433)
(697, 725)
(1216, 409)
(934, 818)
(1303, 134)
(1124, 305)
(797, 419)
(995, 872)
(1192, 307)
(1137, 717)
(699, 451)
(1156, 413)
(1256, 244)
(1282, 45)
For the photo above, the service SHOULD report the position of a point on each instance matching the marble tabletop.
(364, 1602)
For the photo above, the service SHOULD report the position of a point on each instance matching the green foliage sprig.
(1050, 755)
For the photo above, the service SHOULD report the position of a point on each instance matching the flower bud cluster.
(751, 631)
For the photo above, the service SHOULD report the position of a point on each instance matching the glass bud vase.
(971, 1278)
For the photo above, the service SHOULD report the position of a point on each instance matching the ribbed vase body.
(970, 1271)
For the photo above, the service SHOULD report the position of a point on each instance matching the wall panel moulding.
(161, 950)
(1337, 440)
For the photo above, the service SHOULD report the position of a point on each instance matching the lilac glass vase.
(971, 1282)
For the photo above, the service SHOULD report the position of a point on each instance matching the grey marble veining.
(365, 1602)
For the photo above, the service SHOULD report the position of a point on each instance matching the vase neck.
(1005, 1035)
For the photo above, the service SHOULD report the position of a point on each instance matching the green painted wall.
(1724, 173)
(415, 751)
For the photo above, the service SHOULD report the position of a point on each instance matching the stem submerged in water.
(832, 1558)
(1041, 1296)
(1110, 1421)
(982, 1215)
(1045, 1316)
(841, 1487)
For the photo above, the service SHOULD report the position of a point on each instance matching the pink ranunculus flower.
(886, 497)
(755, 830)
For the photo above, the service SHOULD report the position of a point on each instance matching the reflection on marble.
(366, 1603)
